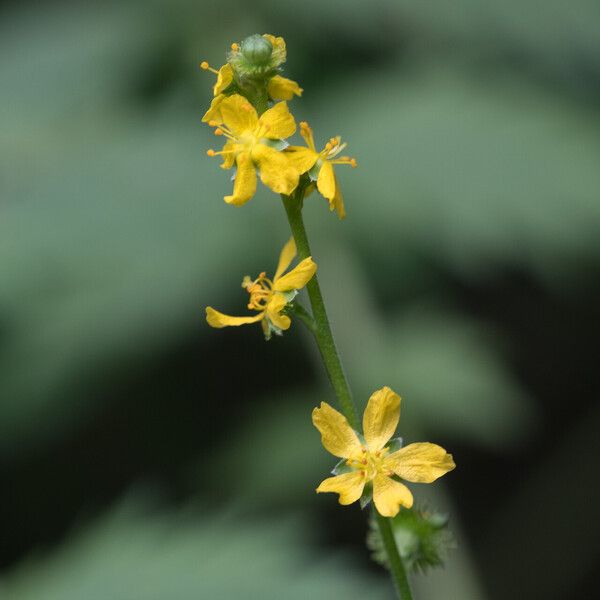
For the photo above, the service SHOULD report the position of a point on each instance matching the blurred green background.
(144, 455)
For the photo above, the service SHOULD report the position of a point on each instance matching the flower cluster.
(249, 109)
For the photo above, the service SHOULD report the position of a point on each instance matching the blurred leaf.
(473, 173)
(445, 366)
(133, 554)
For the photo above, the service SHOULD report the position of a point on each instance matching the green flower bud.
(257, 59)
(256, 50)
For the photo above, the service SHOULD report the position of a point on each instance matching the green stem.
(335, 371)
(394, 560)
(324, 337)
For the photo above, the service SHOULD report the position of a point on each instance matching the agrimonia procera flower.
(270, 296)
(249, 110)
(252, 144)
(319, 166)
(368, 461)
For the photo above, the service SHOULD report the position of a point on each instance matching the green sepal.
(366, 496)
(422, 537)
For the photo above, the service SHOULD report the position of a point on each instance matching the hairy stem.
(335, 371)
(394, 559)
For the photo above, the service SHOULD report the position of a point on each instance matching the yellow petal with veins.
(238, 114)
(224, 79)
(214, 111)
(326, 180)
(301, 158)
(336, 434)
(244, 184)
(381, 418)
(348, 485)
(276, 172)
(281, 88)
(274, 308)
(285, 258)
(421, 463)
(390, 495)
(297, 278)
(217, 319)
(277, 122)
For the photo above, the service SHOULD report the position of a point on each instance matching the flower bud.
(256, 50)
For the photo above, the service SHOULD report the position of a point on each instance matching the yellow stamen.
(235, 47)
(204, 65)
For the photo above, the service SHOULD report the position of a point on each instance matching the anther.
(204, 65)
(210, 152)
(235, 47)
(353, 163)
(213, 123)
(218, 131)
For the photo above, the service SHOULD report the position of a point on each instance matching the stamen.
(218, 131)
(204, 65)
(213, 153)
(235, 47)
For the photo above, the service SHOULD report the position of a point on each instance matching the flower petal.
(420, 463)
(277, 122)
(217, 319)
(297, 278)
(390, 495)
(276, 172)
(238, 114)
(224, 79)
(277, 42)
(282, 88)
(307, 134)
(214, 112)
(285, 258)
(279, 53)
(302, 158)
(230, 149)
(349, 486)
(337, 203)
(274, 308)
(326, 180)
(244, 184)
(337, 436)
(381, 418)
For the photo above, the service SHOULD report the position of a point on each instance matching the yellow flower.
(252, 143)
(270, 297)
(369, 461)
(319, 166)
(281, 88)
(224, 80)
